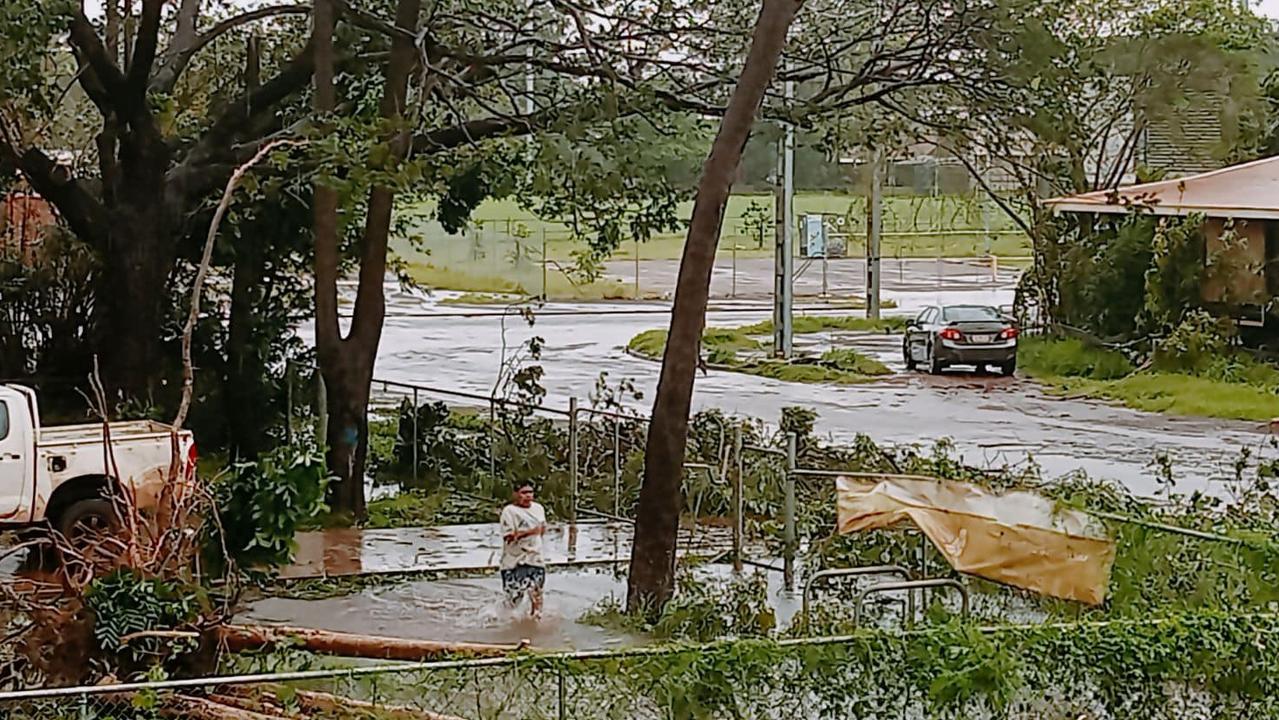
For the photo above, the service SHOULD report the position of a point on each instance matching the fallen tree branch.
(319, 702)
(238, 638)
(169, 634)
(194, 708)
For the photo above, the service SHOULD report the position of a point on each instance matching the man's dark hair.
(524, 484)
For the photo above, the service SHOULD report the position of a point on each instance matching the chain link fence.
(1121, 669)
(944, 240)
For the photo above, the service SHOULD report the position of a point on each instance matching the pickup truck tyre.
(92, 515)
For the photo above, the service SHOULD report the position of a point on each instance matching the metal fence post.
(415, 414)
(544, 261)
(492, 435)
(321, 411)
(788, 536)
(563, 694)
(617, 466)
(738, 500)
(572, 459)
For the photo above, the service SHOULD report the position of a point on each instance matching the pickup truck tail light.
(1009, 333)
(192, 456)
(951, 333)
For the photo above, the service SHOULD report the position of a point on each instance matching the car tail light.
(951, 333)
(1009, 333)
(192, 456)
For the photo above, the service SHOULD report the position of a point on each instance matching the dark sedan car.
(946, 335)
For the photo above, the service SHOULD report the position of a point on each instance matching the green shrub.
(850, 360)
(261, 506)
(1196, 346)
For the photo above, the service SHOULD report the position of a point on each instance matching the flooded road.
(338, 552)
(472, 609)
(468, 609)
(993, 421)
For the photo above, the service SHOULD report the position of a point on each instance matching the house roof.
(1247, 191)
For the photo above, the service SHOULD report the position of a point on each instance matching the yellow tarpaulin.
(1019, 538)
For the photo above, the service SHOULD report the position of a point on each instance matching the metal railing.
(910, 586)
(811, 582)
(579, 420)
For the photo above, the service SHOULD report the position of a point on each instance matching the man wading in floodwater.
(523, 567)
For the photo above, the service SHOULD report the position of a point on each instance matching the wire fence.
(587, 460)
(943, 240)
(1113, 669)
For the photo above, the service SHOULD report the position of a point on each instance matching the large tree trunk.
(246, 355)
(347, 382)
(132, 291)
(347, 363)
(652, 574)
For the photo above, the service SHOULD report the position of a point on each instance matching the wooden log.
(312, 703)
(325, 704)
(187, 707)
(238, 638)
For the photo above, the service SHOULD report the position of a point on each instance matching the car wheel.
(1009, 367)
(910, 361)
(86, 518)
(935, 365)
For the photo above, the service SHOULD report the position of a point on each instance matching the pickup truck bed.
(73, 434)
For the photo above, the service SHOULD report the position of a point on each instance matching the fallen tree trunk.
(238, 638)
(194, 708)
(310, 703)
(324, 703)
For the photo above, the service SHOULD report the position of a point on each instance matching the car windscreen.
(963, 313)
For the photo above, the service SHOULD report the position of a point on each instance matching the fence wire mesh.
(1099, 670)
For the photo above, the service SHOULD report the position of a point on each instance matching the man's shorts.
(522, 578)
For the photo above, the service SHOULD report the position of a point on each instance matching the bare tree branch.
(179, 55)
(186, 26)
(197, 287)
(144, 50)
(85, 40)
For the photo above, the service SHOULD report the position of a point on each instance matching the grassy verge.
(725, 347)
(1070, 367)
(915, 226)
(484, 287)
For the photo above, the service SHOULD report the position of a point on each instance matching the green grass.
(724, 347)
(1070, 357)
(479, 298)
(1068, 366)
(914, 226)
(849, 360)
(485, 286)
(809, 324)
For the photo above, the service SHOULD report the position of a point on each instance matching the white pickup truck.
(62, 474)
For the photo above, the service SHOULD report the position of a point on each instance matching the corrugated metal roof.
(1247, 191)
(1186, 141)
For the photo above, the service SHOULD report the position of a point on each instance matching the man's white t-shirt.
(527, 550)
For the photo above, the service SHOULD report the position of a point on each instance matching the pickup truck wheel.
(935, 365)
(85, 518)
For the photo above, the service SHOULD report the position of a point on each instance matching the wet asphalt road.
(993, 421)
